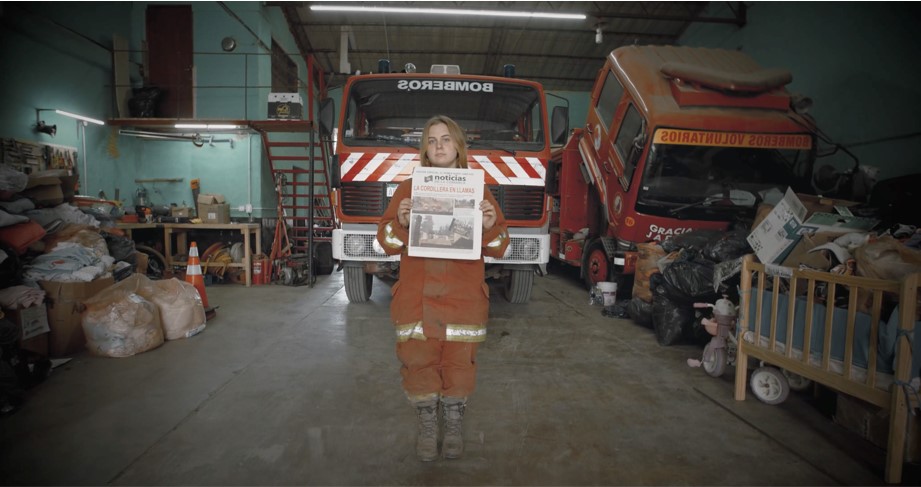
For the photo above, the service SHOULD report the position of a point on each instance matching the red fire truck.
(676, 139)
(379, 129)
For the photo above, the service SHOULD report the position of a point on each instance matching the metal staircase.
(299, 163)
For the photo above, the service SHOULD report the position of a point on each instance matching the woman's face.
(441, 150)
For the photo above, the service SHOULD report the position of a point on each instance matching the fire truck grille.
(517, 202)
(520, 202)
(363, 199)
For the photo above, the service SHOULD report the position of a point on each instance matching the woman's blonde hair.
(457, 134)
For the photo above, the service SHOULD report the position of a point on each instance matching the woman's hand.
(403, 212)
(489, 214)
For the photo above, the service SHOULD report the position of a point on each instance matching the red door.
(169, 45)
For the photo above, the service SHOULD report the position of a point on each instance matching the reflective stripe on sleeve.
(390, 239)
(497, 242)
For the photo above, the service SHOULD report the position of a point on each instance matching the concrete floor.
(294, 385)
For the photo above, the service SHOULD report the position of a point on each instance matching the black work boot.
(453, 445)
(427, 441)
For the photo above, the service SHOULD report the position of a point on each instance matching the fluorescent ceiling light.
(79, 117)
(446, 11)
(202, 126)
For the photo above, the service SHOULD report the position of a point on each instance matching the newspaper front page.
(446, 221)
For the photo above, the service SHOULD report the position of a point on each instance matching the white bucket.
(608, 292)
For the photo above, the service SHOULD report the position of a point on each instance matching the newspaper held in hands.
(446, 221)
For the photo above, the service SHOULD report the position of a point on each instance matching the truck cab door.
(597, 146)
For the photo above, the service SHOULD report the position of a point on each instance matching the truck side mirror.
(325, 112)
(559, 125)
(335, 179)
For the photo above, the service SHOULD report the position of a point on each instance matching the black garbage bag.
(640, 312)
(618, 310)
(695, 240)
(120, 248)
(689, 281)
(144, 101)
(670, 319)
(728, 246)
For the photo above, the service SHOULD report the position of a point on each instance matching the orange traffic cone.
(194, 277)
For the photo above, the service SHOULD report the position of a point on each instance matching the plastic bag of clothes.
(119, 322)
(646, 265)
(181, 311)
(12, 180)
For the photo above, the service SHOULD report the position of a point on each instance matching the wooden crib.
(780, 317)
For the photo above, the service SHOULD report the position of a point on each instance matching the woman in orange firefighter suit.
(439, 306)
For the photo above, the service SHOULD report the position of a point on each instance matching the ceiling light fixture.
(446, 11)
(68, 114)
(209, 126)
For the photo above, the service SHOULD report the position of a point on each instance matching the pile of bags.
(137, 314)
(695, 267)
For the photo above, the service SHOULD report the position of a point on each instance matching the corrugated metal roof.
(560, 54)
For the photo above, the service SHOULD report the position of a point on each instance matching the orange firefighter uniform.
(439, 307)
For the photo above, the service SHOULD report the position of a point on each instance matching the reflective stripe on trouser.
(453, 333)
(437, 366)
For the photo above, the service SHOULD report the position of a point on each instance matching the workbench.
(250, 231)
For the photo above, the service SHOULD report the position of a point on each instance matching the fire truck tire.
(597, 267)
(323, 257)
(357, 283)
(518, 286)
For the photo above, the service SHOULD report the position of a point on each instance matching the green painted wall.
(858, 61)
(58, 55)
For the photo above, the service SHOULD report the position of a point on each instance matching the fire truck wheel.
(357, 283)
(518, 286)
(596, 266)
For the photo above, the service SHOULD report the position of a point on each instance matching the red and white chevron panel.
(387, 167)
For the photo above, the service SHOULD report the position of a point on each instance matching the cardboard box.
(33, 323)
(872, 423)
(212, 208)
(778, 233)
(180, 211)
(285, 106)
(65, 305)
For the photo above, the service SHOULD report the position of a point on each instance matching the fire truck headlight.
(377, 246)
(528, 248)
(353, 245)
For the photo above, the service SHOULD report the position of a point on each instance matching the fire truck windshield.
(706, 182)
(392, 111)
